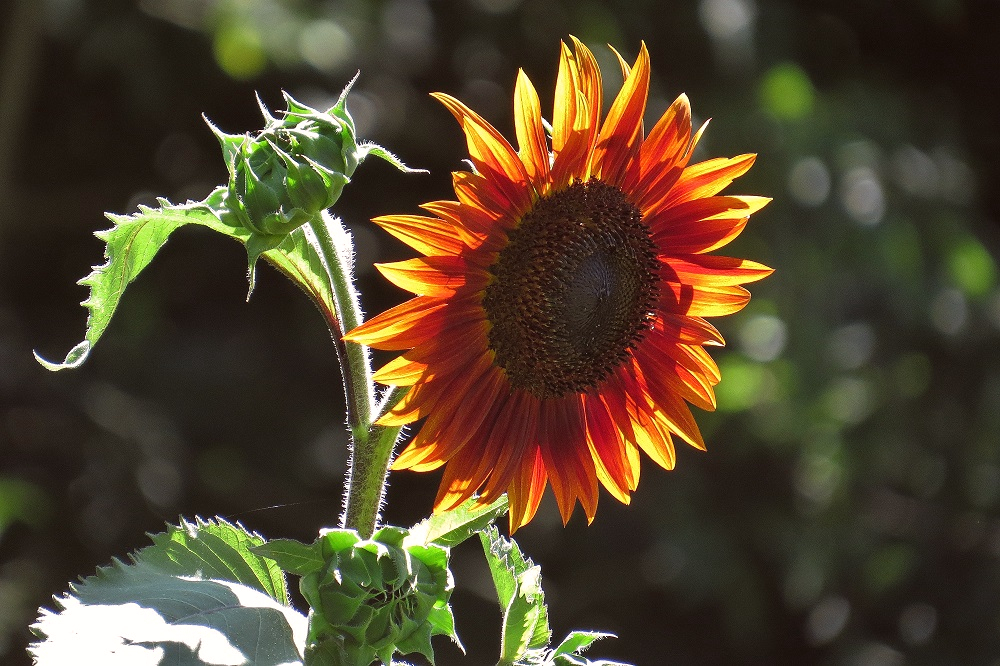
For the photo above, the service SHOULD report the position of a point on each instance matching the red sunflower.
(559, 322)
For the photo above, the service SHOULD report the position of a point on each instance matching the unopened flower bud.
(293, 169)
(375, 597)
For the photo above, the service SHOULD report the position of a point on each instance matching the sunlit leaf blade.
(578, 641)
(453, 527)
(376, 150)
(296, 257)
(198, 595)
(131, 244)
(218, 550)
(293, 556)
(523, 621)
(134, 241)
(518, 584)
(138, 614)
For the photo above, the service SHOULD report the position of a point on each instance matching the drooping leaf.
(453, 527)
(305, 157)
(131, 243)
(196, 596)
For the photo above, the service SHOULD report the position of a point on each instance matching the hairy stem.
(371, 444)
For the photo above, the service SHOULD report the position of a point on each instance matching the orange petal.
(708, 178)
(472, 223)
(475, 190)
(656, 442)
(713, 270)
(575, 115)
(533, 150)
(567, 457)
(702, 301)
(469, 469)
(435, 276)
(621, 135)
(700, 236)
(437, 355)
(663, 374)
(707, 208)
(403, 326)
(400, 371)
(444, 433)
(703, 362)
(427, 235)
(673, 412)
(669, 139)
(513, 442)
(525, 491)
(425, 397)
(687, 330)
(648, 435)
(653, 193)
(607, 449)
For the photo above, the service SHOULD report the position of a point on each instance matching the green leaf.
(453, 527)
(376, 150)
(131, 243)
(578, 641)
(518, 584)
(134, 240)
(218, 550)
(568, 653)
(292, 556)
(196, 596)
(524, 621)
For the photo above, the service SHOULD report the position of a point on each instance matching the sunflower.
(558, 325)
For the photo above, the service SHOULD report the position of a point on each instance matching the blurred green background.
(848, 509)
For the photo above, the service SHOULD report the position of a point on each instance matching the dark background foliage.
(847, 510)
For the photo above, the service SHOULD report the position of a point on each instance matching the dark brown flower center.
(574, 290)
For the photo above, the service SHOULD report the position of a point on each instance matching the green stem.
(371, 445)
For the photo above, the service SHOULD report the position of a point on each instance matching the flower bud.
(374, 597)
(293, 169)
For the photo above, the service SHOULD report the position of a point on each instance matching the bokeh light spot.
(862, 196)
(851, 346)
(726, 19)
(971, 267)
(809, 182)
(786, 92)
(917, 623)
(763, 337)
(326, 45)
(949, 311)
(827, 619)
(239, 52)
(747, 384)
